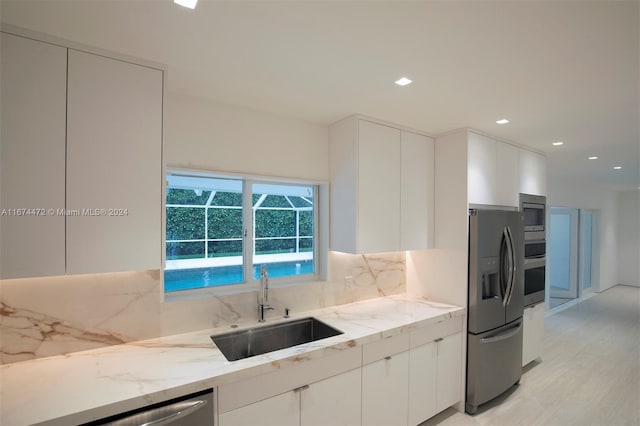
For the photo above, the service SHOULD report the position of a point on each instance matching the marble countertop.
(84, 386)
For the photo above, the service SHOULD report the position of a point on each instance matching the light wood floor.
(589, 373)
(557, 301)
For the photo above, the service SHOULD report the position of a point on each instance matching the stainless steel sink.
(259, 340)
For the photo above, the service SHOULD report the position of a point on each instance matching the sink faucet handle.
(286, 312)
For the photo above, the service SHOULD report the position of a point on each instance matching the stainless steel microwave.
(533, 209)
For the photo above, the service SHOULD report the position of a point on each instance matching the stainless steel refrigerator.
(496, 296)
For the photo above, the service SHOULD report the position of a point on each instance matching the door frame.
(595, 252)
(572, 291)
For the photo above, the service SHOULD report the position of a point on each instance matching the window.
(220, 230)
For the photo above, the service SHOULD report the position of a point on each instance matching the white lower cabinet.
(280, 410)
(423, 365)
(448, 377)
(385, 391)
(333, 401)
(435, 369)
(399, 380)
(532, 333)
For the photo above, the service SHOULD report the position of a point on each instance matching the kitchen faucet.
(263, 293)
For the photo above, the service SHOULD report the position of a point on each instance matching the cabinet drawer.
(375, 351)
(244, 392)
(432, 332)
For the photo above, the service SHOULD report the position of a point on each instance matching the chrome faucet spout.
(263, 293)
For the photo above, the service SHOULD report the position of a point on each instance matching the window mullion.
(297, 230)
(248, 225)
(206, 232)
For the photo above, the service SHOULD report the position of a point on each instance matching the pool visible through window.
(220, 230)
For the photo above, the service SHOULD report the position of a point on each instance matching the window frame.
(320, 234)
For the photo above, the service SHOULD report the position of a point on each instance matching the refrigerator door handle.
(505, 282)
(512, 264)
(503, 336)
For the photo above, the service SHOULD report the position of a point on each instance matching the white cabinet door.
(482, 170)
(382, 188)
(507, 190)
(114, 143)
(492, 177)
(378, 223)
(416, 191)
(533, 172)
(34, 83)
(449, 371)
(280, 410)
(423, 362)
(385, 388)
(532, 333)
(333, 401)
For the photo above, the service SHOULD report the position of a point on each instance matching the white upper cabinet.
(482, 165)
(34, 83)
(533, 173)
(492, 172)
(381, 187)
(114, 137)
(417, 191)
(81, 162)
(507, 192)
(378, 220)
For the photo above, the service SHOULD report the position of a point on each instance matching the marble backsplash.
(58, 315)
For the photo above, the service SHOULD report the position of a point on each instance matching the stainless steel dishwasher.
(190, 410)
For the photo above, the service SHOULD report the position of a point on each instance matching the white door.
(385, 391)
(588, 251)
(334, 401)
(482, 170)
(449, 366)
(32, 168)
(280, 410)
(416, 192)
(562, 258)
(507, 191)
(378, 188)
(114, 165)
(423, 365)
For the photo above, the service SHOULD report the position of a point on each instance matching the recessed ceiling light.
(557, 143)
(617, 167)
(502, 121)
(191, 4)
(403, 81)
(593, 157)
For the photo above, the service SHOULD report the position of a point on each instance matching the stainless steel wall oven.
(533, 210)
(534, 272)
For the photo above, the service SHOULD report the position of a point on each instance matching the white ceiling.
(564, 71)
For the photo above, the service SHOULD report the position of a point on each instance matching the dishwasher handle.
(162, 415)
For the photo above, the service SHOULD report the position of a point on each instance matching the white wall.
(566, 194)
(202, 134)
(629, 238)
